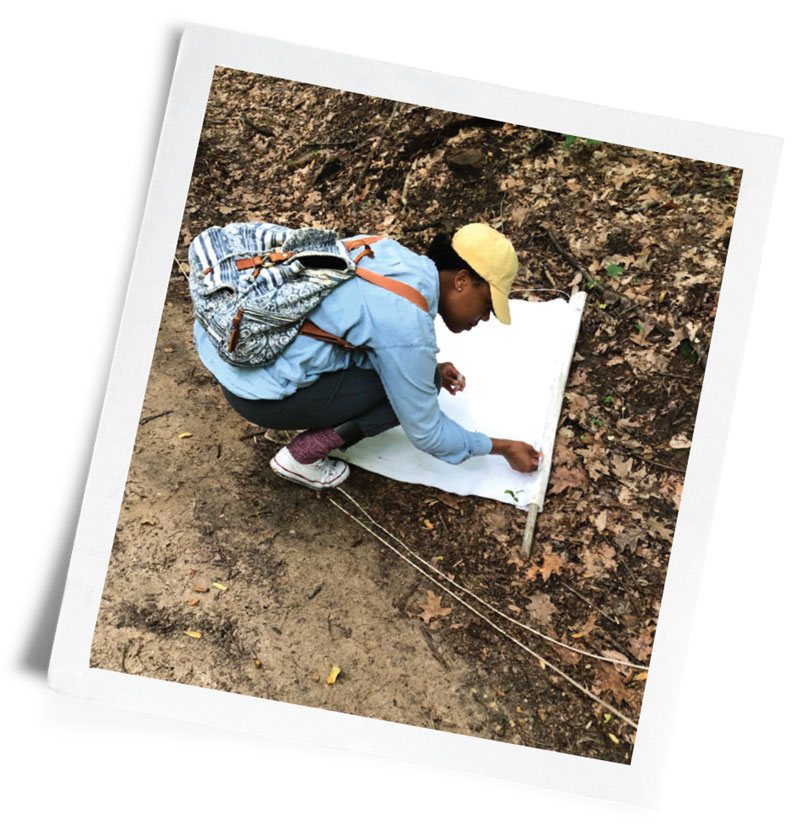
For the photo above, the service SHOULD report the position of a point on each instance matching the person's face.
(467, 303)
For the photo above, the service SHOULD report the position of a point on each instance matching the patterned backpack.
(252, 285)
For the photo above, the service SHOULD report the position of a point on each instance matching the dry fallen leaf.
(551, 565)
(587, 628)
(564, 477)
(449, 500)
(680, 442)
(432, 608)
(642, 645)
(609, 680)
(541, 608)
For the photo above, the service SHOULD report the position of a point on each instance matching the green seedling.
(613, 270)
(608, 400)
(569, 139)
(513, 494)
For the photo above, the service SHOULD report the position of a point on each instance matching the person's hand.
(452, 380)
(520, 455)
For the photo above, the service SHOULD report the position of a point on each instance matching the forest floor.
(277, 586)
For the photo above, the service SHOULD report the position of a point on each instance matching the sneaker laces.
(327, 467)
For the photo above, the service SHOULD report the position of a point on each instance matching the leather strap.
(396, 286)
(249, 263)
(233, 342)
(361, 241)
(365, 252)
(257, 262)
(311, 330)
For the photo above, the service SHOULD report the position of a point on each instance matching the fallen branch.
(267, 130)
(609, 295)
(149, 418)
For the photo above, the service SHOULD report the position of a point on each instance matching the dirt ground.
(277, 586)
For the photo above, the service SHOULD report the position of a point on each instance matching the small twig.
(403, 199)
(180, 266)
(685, 378)
(402, 601)
(620, 448)
(333, 144)
(252, 435)
(125, 654)
(426, 634)
(149, 418)
(267, 131)
(631, 594)
(587, 601)
(547, 274)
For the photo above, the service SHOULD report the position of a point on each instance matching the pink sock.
(314, 444)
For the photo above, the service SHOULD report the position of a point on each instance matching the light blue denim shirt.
(401, 345)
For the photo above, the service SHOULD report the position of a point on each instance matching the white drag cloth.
(515, 378)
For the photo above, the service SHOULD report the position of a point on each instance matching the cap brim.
(500, 305)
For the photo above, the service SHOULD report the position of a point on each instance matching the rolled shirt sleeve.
(407, 374)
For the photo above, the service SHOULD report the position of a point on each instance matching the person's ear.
(461, 279)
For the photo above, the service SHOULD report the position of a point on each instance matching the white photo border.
(201, 50)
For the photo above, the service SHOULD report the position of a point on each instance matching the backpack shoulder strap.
(311, 330)
(396, 286)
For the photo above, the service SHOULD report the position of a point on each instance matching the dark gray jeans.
(352, 401)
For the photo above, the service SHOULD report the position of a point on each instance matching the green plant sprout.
(513, 494)
(569, 139)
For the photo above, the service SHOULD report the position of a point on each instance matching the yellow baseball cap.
(492, 256)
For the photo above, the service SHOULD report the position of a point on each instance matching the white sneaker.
(325, 473)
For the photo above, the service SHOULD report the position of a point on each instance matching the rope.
(489, 606)
(560, 291)
(522, 646)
